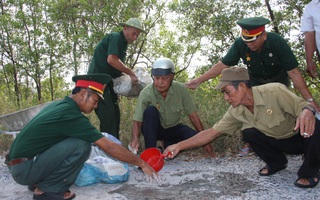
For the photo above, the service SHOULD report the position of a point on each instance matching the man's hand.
(134, 78)
(208, 150)
(306, 123)
(151, 174)
(193, 84)
(312, 70)
(171, 151)
(133, 147)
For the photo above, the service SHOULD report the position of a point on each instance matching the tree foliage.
(44, 43)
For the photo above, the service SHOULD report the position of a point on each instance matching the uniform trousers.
(273, 151)
(108, 112)
(56, 169)
(152, 130)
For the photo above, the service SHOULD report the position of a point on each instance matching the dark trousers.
(153, 131)
(108, 113)
(272, 151)
(56, 169)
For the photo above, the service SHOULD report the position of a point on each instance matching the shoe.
(271, 171)
(312, 182)
(245, 152)
(32, 187)
(52, 196)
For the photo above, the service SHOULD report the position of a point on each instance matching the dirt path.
(219, 178)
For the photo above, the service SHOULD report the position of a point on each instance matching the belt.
(17, 161)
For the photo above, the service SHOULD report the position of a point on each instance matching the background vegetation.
(44, 43)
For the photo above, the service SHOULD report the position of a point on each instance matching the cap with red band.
(90, 84)
(252, 27)
(96, 82)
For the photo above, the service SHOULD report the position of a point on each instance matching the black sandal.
(270, 170)
(312, 182)
(52, 196)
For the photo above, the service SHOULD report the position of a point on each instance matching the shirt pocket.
(271, 62)
(271, 118)
(172, 116)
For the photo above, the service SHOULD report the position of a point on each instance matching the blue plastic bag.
(91, 175)
(100, 168)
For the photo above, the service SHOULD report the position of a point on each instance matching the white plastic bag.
(101, 168)
(123, 86)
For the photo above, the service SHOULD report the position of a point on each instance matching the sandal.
(53, 196)
(32, 187)
(312, 182)
(245, 152)
(270, 170)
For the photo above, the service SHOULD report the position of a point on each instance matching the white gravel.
(187, 178)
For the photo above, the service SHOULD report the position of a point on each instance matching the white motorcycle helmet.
(162, 67)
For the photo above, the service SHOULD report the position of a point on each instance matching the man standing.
(310, 26)
(273, 120)
(160, 107)
(52, 148)
(109, 58)
(267, 56)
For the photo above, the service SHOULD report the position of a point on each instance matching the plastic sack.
(123, 86)
(101, 168)
(105, 172)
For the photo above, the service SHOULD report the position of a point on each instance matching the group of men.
(50, 151)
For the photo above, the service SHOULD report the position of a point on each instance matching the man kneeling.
(274, 121)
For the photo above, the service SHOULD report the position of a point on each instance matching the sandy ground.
(187, 178)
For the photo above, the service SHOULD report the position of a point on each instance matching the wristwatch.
(311, 108)
(310, 100)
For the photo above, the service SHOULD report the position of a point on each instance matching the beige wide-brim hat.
(133, 22)
(232, 74)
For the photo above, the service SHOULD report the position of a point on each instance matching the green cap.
(232, 74)
(252, 23)
(96, 82)
(133, 22)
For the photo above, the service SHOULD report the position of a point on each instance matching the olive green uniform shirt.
(275, 112)
(269, 65)
(178, 100)
(54, 123)
(112, 44)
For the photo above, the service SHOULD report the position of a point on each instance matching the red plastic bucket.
(153, 157)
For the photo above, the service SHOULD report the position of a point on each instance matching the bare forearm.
(136, 130)
(194, 118)
(310, 45)
(300, 84)
(119, 152)
(213, 72)
(202, 138)
(115, 62)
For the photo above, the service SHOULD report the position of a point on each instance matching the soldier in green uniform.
(50, 151)
(272, 119)
(160, 107)
(109, 58)
(267, 56)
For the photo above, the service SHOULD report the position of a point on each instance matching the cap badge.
(246, 31)
(248, 57)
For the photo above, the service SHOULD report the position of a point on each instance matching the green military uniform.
(108, 111)
(178, 100)
(275, 112)
(271, 63)
(49, 127)
(58, 133)
(51, 149)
